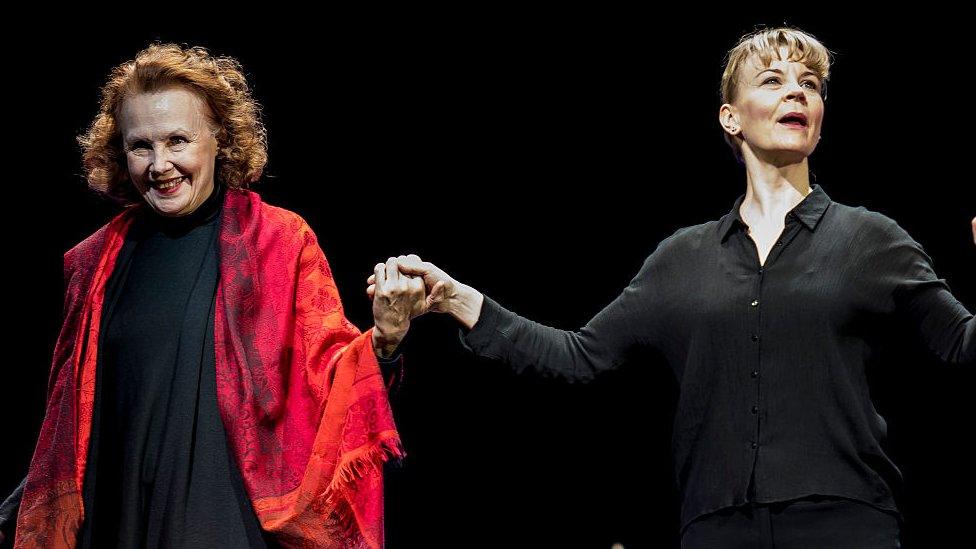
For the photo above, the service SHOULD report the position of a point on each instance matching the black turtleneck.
(160, 473)
(159, 470)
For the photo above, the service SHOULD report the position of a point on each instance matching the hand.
(974, 230)
(444, 294)
(397, 298)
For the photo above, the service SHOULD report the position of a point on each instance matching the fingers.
(379, 276)
(413, 265)
(392, 273)
(407, 264)
(415, 285)
(416, 295)
(974, 230)
(401, 274)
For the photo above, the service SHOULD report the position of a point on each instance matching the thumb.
(436, 295)
(414, 268)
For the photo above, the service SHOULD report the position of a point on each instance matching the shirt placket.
(757, 304)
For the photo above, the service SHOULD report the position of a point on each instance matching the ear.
(728, 117)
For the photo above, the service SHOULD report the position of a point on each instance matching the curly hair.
(241, 136)
(765, 45)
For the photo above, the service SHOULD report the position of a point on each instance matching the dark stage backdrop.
(540, 159)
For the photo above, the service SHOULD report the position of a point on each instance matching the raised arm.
(495, 332)
(924, 301)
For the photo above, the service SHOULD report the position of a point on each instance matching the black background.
(539, 158)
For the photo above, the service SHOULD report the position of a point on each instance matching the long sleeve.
(9, 507)
(771, 357)
(924, 301)
(606, 341)
(392, 370)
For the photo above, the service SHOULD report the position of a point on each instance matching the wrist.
(386, 341)
(465, 305)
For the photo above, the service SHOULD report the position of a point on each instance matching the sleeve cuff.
(480, 337)
(392, 369)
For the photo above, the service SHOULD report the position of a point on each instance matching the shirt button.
(755, 337)
(755, 373)
(754, 445)
(755, 409)
(755, 303)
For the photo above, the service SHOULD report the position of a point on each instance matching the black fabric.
(182, 243)
(160, 473)
(9, 508)
(770, 360)
(810, 523)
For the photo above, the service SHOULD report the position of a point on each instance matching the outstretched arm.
(924, 301)
(495, 332)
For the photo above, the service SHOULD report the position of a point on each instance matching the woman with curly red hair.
(206, 388)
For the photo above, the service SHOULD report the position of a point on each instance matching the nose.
(161, 162)
(795, 91)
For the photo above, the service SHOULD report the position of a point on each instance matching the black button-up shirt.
(770, 359)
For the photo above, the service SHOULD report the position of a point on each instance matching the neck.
(205, 213)
(772, 190)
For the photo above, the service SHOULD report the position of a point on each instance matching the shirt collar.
(809, 211)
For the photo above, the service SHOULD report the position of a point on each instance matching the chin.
(170, 210)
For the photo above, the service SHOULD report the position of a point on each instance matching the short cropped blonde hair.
(765, 44)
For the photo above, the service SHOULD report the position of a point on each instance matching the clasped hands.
(406, 287)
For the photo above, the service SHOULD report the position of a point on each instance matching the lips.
(794, 119)
(169, 186)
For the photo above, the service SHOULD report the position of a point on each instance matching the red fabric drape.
(299, 389)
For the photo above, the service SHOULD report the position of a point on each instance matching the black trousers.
(809, 523)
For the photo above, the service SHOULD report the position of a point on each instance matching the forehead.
(781, 59)
(163, 110)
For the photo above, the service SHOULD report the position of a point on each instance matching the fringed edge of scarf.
(356, 465)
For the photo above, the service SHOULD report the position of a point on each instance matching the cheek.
(189, 162)
(136, 167)
(817, 109)
(758, 114)
(203, 165)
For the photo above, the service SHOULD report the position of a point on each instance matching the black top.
(771, 359)
(160, 460)
(160, 473)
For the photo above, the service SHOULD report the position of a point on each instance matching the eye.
(178, 140)
(140, 148)
(774, 79)
(811, 84)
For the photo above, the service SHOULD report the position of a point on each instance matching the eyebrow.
(171, 133)
(777, 71)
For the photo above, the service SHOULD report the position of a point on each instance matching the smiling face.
(170, 149)
(777, 111)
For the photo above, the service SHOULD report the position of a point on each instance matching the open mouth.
(794, 120)
(169, 186)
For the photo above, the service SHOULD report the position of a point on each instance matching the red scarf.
(301, 396)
